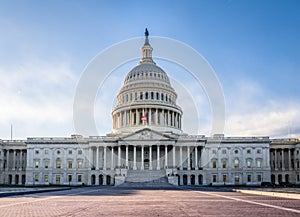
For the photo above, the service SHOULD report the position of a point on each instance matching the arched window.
(152, 95)
(162, 97)
(157, 96)
(141, 95)
(249, 163)
(146, 95)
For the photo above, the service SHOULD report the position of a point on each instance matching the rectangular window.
(258, 151)
(224, 151)
(70, 151)
(46, 164)
(249, 178)
(259, 163)
(79, 164)
(214, 164)
(259, 178)
(36, 177)
(224, 178)
(224, 165)
(57, 179)
(70, 164)
(248, 163)
(248, 151)
(79, 178)
(46, 178)
(36, 164)
(214, 178)
(236, 163)
(69, 178)
(214, 151)
(58, 164)
(236, 179)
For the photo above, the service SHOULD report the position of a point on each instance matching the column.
(275, 156)
(166, 156)
(104, 158)
(158, 163)
(150, 157)
(174, 152)
(163, 118)
(119, 156)
(188, 158)
(137, 117)
(97, 158)
(181, 166)
(126, 160)
(142, 158)
(91, 157)
(150, 116)
(143, 114)
(196, 158)
(290, 162)
(134, 157)
(173, 121)
(14, 160)
(112, 158)
(282, 159)
(156, 117)
(21, 160)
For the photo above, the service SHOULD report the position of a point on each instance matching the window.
(259, 179)
(249, 178)
(46, 178)
(36, 164)
(79, 163)
(46, 152)
(79, 151)
(224, 151)
(214, 151)
(152, 95)
(70, 151)
(58, 163)
(57, 179)
(236, 151)
(258, 163)
(214, 178)
(37, 152)
(58, 152)
(146, 95)
(162, 97)
(236, 179)
(249, 163)
(46, 164)
(70, 164)
(224, 164)
(214, 164)
(224, 178)
(79, 178)
(248, 151)
(36, 177)
(258, 151)
(298, 178)
(236, 163)
(69, 178)
(141, 95)
(297, 151)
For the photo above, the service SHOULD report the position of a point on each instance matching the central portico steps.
(134, 176)
(146, 179)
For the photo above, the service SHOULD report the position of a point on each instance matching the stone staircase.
(146, 179)
(146, 176)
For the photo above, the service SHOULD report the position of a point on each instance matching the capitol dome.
(147, 99)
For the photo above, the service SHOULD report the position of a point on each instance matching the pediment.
(146, 134)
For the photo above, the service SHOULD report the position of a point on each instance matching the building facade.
(147, 145)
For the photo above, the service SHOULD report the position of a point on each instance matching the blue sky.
(253, 47)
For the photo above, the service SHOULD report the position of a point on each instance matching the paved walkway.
(109, 201)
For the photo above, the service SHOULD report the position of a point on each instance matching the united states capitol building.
(147, 144)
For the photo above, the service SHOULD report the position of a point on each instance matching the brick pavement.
(129, 202)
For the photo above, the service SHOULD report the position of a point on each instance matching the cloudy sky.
(252, 46)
